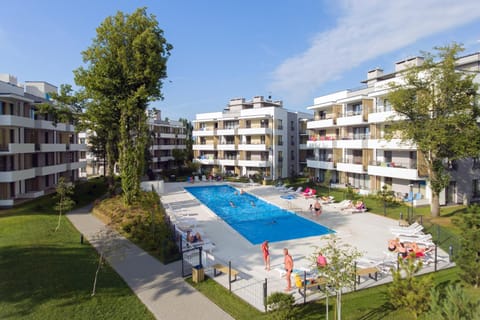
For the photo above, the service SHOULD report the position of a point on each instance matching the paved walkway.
(160, 287)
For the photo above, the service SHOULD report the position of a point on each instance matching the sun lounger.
(310, 194)
(281, 187)
(342, 204)
(289, 189)
(299, 190)
(406, 228)
(417, 231)
(252, 183)
(425, 239)
(355, 210)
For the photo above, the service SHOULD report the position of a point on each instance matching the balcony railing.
(395, 164)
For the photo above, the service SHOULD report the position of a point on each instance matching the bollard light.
(450, 253)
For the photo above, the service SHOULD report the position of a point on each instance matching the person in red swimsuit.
(266, 255)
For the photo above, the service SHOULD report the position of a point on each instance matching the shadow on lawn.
(52, 275)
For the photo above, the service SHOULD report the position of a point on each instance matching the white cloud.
(366, 29)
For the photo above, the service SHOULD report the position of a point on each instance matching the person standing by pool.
(266, 255)
(317, 207)
(289, 268)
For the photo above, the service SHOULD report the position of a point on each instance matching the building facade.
(167, 136)
(256, 137)
(347, 138)
(34, 150)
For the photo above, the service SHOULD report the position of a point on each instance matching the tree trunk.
(435, 205)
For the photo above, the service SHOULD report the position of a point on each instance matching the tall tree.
(125, 68)
(438, 105)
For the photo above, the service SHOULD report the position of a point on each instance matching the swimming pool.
(255, 219)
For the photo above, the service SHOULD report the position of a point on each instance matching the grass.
(371, 303)
(49, 275)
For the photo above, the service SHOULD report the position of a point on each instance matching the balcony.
(252, 147)
(320, 144)
(166, 158)
(16, 121)
(254, 163)
(204, 132)
(15, 148)
(50, 147)
(77, 147)
(350, 120)
(76, 165)
(17, 175)
(49, 125)
(349, 165)
(226, 146)
(358, 141)
(227, 162)
(46, 170)
(206, 161)
(166, 135)
(227, 132)
(320, 124)
(378, 117)
(393, 170)
(254, 131)
(394, 144)
(320, 164)
(305, 146)
(203, 147)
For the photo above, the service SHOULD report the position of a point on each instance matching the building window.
(280, 140)
(476, 163)
(476, 188)
(279, 124)
(292, 155)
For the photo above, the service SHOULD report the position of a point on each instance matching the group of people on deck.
(288, 262)
(406, 249)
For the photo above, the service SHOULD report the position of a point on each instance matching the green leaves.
(438, 104)
(125, 67)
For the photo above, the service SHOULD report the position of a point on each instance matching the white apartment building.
(257, 137)
(34, 151)
(168, 135)
(347, 136)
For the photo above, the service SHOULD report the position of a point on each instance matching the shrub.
(281, 305)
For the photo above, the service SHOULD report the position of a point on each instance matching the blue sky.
(293, 50)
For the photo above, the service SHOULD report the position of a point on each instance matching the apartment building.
(256, 137)
(168, 135)
(347, 136)
(34, 150)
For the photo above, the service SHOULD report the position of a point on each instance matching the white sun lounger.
(406, 230)
(418, 231)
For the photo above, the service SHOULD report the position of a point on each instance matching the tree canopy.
(438, 106)
(124, 71)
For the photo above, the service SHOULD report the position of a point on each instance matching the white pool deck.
(369, 233)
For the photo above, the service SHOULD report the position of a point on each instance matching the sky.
(291, 50)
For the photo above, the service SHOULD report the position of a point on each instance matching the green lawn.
(369, 304)
(49, 275)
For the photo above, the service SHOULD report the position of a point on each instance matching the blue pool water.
(253, 218)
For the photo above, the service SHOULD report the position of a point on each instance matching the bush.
(281, 305)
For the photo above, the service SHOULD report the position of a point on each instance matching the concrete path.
(160, 287)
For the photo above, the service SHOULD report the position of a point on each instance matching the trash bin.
(198, 273)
